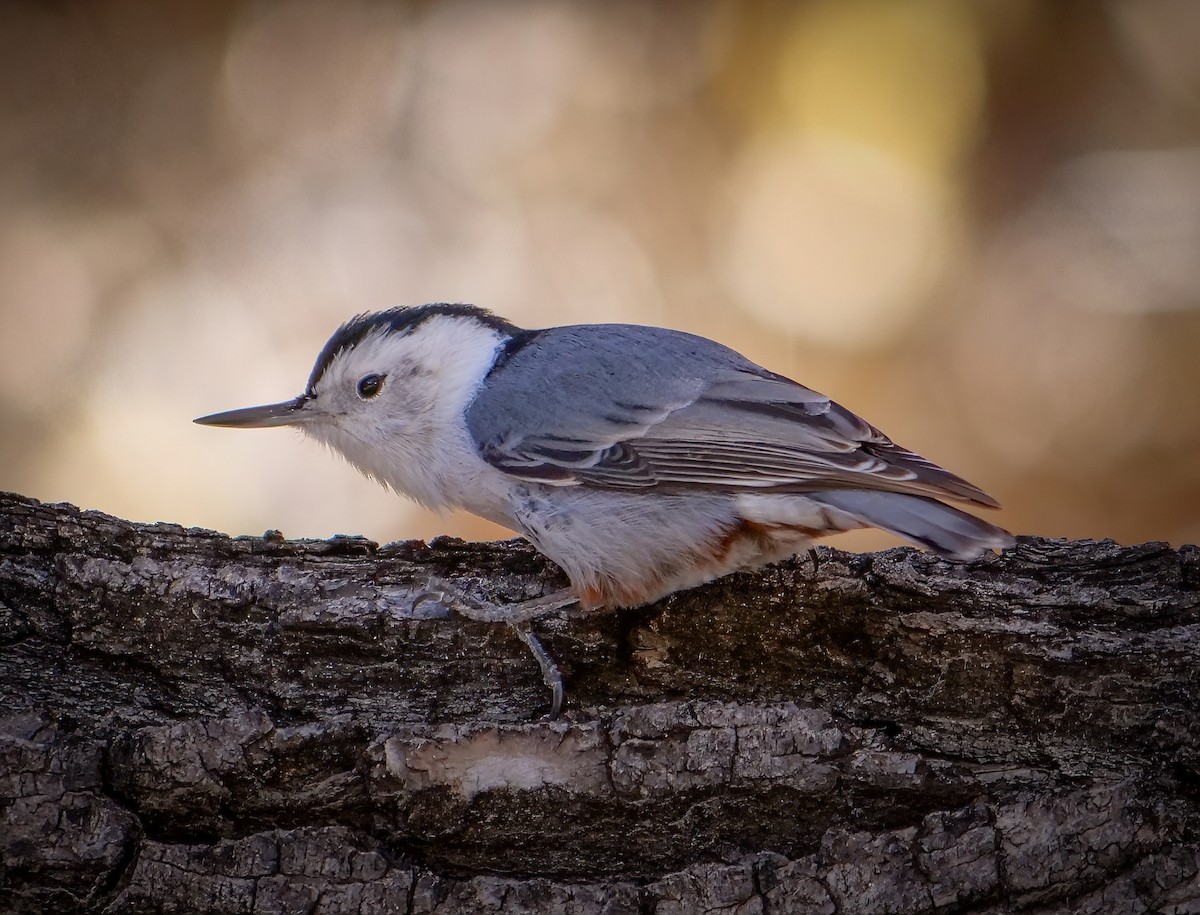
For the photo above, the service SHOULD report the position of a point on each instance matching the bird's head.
(390, 386)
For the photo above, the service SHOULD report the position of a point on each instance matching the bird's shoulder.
(601, 370)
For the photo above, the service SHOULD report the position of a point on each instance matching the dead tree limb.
(193, 722)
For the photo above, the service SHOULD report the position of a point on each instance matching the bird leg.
(518, 617)
(551, 675)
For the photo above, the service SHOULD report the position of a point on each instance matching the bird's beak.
(288, 413)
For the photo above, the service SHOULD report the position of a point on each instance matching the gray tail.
(940, 527)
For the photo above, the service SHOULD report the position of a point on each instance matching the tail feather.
(942, 528)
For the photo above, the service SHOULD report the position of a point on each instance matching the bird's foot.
(551, 675)
(520, 612)
(518, 616)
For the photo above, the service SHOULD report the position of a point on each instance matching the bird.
(641, 460)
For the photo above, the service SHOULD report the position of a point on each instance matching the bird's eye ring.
(370, 386)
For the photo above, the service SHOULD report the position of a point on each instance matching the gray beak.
(287, 413)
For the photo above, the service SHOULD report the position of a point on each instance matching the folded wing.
(645, 408)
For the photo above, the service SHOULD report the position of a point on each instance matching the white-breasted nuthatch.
(641, 460)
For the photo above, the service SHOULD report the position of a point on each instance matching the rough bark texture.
(192, 722)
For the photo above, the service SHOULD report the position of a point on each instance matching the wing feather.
(714, 421)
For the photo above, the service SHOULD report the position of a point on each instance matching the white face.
(381, 388)
(393, 404)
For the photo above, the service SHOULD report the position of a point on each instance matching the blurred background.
(975, 222)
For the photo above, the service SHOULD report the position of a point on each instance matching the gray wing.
(647, 408)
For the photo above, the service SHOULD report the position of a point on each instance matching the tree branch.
(194, 722)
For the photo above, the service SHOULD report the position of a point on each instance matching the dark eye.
(369, 386)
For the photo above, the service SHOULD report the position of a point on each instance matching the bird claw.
(434, 597)
(518, 617)
(427, 597)
(551, 675)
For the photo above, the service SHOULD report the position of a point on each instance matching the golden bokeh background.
(975, 222)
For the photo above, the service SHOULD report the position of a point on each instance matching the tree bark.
(193, 722)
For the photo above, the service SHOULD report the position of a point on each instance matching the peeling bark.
(193, 722)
